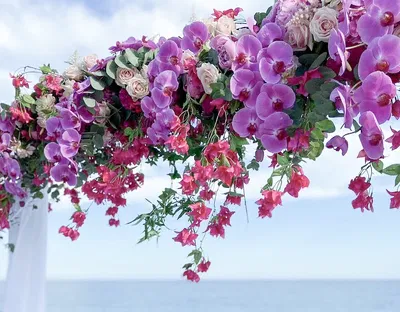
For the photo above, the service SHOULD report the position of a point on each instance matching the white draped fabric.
(26, 277)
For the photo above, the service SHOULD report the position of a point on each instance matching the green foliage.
(392, 170)
(111, 69)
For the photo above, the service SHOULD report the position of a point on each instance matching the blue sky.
(316, 236)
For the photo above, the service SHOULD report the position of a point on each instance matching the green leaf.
(319, 60)
(314, 85)
(28, 99)
(111, 69)
(218, 90)
(283, 160)
(197, 255)
(131, 57)
(259, 16)
(397, 181)
(89, 102)
(46, 69)
(38, 195)
(98, 140)
(326, 126)
(356, 125)
(355, 72)
(392, 170)
(317, 134)
(378, 166)
(187, 266)
(237, 142)
(308, 59)
(97, 84)
(120, 60)
(327, 73)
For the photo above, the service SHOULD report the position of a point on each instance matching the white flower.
(74, 72)
(90, 60)
(188, 59)
(45, 107)
(211, 25)
(207, 74)
(19, 151)
(68, 87)
(225, 25)
(322, 23)
(138, 87)
(107, 137)
(123, 75)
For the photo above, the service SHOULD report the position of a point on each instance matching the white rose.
(90, 60)
(211, 25)
(225, 25)
(68, 87)
(74, 72)
(138, 87)
(322, 23)
(123, 75)
(207, 74)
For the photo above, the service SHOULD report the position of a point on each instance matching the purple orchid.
(273, 133)
(54, 128)
(167, 118)
(130, 43)
(164, 86)
(84, 115)
(5, 141)
(247, 48)
(14, 189)
(338, 143)
(337, 49)
(69, 143)
(101, 64)
(371, 135)
(379, 20)
(170, 57)
(63, 173)
(382, 54)
(269, 33)
(245, 122)
(158, 133)
(274, 98)
(225, 48)
(149, 108)
(342, 96)
(177, 40)
(52, 152)
(245, 86)
(6, 125)
(375, 95)
(195, 36)
(274, 61)
(153, 70)
(69, 120)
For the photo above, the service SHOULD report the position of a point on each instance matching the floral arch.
(275, 81)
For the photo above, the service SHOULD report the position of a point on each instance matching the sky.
(316, 236)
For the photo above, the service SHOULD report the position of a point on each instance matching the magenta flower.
(337, 49)
(247, 48)
(382, 55)
(194, 36)
(245, 86)
(164, 86)
(273, 133)
(130, 43)
(245, 122)
(274, 98)
(169, 57)
(63, 173)
(52, 152)
(69, 143)
(371, 136)
(54, 128)
(225, 48)
(379, 20)
(274, 61)
(269, 33)
(375, 95)
(84, 115)
(338, 143)
(69, 120)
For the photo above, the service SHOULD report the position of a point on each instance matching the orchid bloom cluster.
(275, 81)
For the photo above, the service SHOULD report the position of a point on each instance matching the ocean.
(222, 296)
